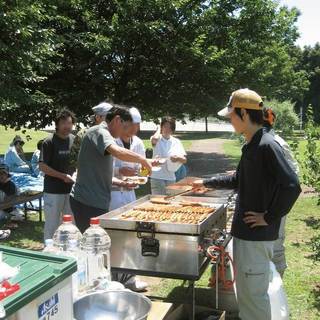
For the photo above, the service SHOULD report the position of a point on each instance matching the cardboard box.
(182, 312)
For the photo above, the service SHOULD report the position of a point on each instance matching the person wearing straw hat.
(267, 189)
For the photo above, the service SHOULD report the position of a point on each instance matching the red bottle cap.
(94, 221)
(67, 218)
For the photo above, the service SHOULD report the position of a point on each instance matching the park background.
(180, 58)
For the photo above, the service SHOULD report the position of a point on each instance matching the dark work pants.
(82, 214)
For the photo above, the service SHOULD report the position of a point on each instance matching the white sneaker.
(136, 285)
(4, 234)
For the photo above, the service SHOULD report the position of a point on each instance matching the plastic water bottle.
(66, 231)
(49, 247)
(79, 278)
(96, 244)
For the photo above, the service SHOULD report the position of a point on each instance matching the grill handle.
(150, 246)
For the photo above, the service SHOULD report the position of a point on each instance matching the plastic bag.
(277, 295)
(6, 271)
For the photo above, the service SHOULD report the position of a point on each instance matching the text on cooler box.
(48, 309)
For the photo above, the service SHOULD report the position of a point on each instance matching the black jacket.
(265, 183)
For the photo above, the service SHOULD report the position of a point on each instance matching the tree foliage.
(286, 118)
(28, 48)
(181, 57)
(309, 62)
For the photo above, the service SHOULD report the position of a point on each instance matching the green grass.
(232, 149)
(302, 278)
(29, 234)
(31, 138)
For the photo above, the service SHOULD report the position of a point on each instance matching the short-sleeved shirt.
(95, 168)
(55, 153)
(165, 148)
(74, 152)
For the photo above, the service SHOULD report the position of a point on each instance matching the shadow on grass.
(314, 244)
(296, 244)
(29, 234)
(312, 222)
(202, 164)
(315, 293)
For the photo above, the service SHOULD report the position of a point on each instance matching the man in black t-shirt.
(55, 164)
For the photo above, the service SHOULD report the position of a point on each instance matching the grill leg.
(40, 209)
(193, 301)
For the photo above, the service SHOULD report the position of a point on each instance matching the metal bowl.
(112, 305)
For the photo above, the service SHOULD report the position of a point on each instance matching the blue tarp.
(26, 182)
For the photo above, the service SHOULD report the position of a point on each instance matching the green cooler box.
(45, 285)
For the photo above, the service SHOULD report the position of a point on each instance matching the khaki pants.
(158, 186)
(279, 257)
(55, 206)
(252, 264)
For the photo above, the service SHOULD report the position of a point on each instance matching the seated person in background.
(15, 158)
(7, 189)
(35, 159)
(171, 148)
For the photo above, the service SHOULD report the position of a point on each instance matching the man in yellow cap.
(267, 189)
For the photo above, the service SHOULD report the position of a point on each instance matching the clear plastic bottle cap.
(67, 218)
(95, 221)
(48, 242)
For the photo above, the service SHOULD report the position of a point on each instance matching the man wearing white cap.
(121, 196)
(267, 189)
(100, 111)
(99, 115)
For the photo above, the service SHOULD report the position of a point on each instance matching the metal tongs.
(180, 193)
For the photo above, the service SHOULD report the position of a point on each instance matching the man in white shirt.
(121, 196)
(279, 256)
(170, 148)
(129, 140)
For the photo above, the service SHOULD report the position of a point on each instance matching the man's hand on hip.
(255, 219)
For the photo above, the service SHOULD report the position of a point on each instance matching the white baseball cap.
(102, 108)
(135, 114)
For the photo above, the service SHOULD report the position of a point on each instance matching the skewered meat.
(167, 213)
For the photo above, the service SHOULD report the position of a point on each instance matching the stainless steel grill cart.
(162, 249)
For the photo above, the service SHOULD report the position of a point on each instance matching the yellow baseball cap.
(242, 98)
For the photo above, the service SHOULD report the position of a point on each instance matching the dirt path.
(206, 157)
